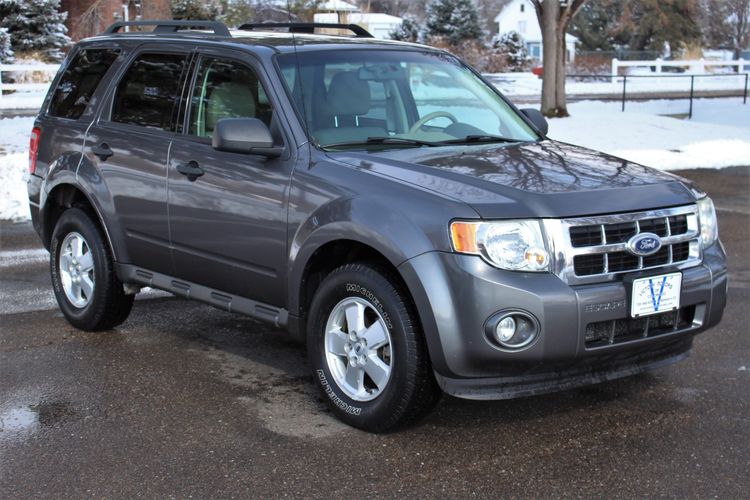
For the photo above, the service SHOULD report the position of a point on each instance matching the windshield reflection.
(355, 98)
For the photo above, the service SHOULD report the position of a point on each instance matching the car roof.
(279, 42)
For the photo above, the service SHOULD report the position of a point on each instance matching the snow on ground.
(14, 202)
(718, 136)
(14, 167)
(530, 85)
(22, 100)
(15, 134)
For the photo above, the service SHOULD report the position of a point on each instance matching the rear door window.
(148, 95)
(79, 81)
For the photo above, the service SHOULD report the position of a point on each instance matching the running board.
(232, 303)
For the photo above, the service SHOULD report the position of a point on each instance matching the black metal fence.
(623, 81)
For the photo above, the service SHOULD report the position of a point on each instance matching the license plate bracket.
(655, 294)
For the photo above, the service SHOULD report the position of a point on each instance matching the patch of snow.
(661, 142)
(22, 100)
(530, 85)
(14, 200)
(15, 134)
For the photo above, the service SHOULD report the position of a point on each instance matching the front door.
(130, 142)
(228, 225)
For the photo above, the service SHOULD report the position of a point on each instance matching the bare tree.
(554, 17)
(739, 21)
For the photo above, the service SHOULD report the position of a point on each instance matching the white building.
(338, 11)
(380, 25)
(520, 16)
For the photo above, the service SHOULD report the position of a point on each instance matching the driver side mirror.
(537, 118)
(244, 136)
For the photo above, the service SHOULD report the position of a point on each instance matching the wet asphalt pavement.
(185, 400)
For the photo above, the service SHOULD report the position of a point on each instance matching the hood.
(533, 179)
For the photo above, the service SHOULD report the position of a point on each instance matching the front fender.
(362, 220)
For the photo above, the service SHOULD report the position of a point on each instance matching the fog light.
(506, 328)
(513, 330)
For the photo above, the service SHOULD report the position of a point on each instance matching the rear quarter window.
(79, 81)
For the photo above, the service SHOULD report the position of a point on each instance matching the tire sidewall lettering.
(372, 298)
(335, 399)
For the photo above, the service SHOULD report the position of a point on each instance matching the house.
(338, 11)
(520, 16)
(338, 7)
(380, 25)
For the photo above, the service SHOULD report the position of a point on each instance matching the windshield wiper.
(398, 141)
(476, 139)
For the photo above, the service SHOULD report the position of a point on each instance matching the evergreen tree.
(195, 9)
(653, 23)
(35, 25)
(6, 52)
(595, 26)
(513, 48)
(453, 20)
(407, 32)
(238, 12)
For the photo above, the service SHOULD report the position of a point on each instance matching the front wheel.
(87, 289)
(367, 351)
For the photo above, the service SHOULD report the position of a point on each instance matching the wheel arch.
(327, 257)
(64, 196)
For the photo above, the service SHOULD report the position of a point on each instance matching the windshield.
(362, 98)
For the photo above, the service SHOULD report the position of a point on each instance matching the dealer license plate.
(656, 294)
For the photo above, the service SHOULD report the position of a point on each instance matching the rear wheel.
(87, 289)
(367, 351)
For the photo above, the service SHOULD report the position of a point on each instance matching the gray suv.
(378, 200)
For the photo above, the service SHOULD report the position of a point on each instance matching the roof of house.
(361, 17)
(337, 6)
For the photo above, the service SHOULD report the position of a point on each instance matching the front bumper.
(456, 294)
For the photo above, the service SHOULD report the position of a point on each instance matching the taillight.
(36, 134)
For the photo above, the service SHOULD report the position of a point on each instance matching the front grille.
(595, 248)
(605, 333)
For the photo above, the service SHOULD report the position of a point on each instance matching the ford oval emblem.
(644, 244)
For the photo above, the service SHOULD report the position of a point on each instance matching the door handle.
(191, 170)
(102, 151)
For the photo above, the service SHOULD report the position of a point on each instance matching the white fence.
(697, 66)
(49, 71)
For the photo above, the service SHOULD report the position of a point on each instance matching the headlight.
(512, 245)
(708, 223)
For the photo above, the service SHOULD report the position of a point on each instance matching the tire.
(385, 358)
(78, 250)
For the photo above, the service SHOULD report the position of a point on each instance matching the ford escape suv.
(379, 200)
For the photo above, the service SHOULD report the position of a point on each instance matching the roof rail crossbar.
(164, 27)
(309, 28)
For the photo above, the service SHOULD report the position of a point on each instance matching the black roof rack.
(171, 27)
(308, 28)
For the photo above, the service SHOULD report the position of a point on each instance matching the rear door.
(228, 226)
(71, 106)
(129, 144)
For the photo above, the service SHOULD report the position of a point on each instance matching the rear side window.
(149, 92)
(79, 81)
